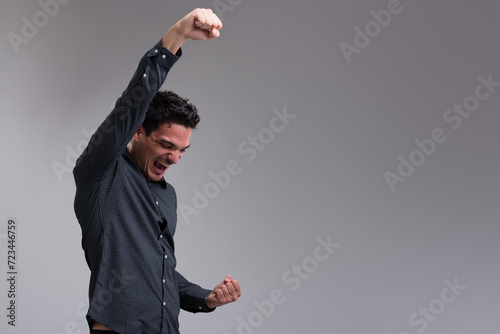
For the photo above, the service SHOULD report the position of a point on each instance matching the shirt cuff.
(208, 309)
(165, 57)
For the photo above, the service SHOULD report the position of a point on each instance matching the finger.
(225, 291)
(232, 291)
(219, 294)
(199, 18)
(218, 22)
(214, 22)
(226, 279)
(237, 288)
(199, 24)
(214, 33)
(207, 20)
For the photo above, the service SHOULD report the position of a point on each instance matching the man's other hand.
(225, 292)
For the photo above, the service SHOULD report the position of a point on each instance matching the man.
(125, 208)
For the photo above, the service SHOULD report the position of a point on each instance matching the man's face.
(162, 148)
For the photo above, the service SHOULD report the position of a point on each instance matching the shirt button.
(156, 51)
(163, 280)
(166, 256)
(161, 236)
(156, 202)
(163, 56)
(164, 303)
(144, 75)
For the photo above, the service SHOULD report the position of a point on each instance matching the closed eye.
(170, 146)
(167, 147)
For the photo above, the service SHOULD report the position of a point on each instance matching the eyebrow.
(164, 141)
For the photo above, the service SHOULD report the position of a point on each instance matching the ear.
(140, 132)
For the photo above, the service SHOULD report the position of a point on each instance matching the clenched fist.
(200, 24)
(225, 292)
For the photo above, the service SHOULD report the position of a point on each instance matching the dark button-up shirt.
(128, 223)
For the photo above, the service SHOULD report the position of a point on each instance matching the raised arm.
(114, 133)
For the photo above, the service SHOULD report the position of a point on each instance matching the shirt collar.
(163, 183)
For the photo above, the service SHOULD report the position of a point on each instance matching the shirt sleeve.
(193, 298)
(114, 133)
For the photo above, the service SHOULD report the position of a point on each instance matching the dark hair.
(168, 107)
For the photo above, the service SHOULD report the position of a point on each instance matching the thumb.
(214, 33)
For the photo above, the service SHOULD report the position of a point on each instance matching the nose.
(174, 157)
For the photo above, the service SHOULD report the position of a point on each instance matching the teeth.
(163, 163)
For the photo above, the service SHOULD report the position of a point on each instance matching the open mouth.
(160, 166)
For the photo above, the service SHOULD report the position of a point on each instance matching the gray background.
(323, 175)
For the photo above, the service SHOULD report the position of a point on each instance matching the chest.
(130, 199)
